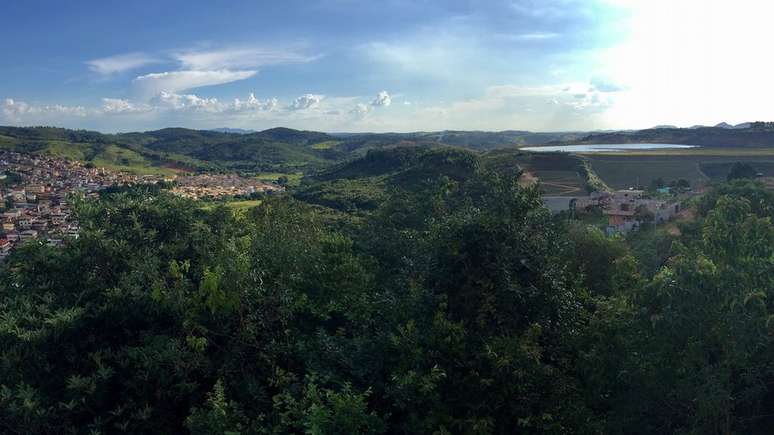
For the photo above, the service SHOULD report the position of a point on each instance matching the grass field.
(243, 205)
(237, 206)
(558, 173)
(123, 159)
(697, 166)
(328, 144)
(61, 149)
(294, 178)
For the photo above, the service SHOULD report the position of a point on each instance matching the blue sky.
(389, 65)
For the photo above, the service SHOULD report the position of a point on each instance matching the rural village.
(625, 209)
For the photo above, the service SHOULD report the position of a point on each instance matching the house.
(5, 246)
(557, 204)
(18, 195)
(28, 234)
(24, 222)
(8, 225)
(54, 242)
(627, 195)
(621, 217)
(622, 211)
(12, 214)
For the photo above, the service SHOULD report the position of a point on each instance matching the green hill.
(169, 149)
(756, 136)
(362, 184)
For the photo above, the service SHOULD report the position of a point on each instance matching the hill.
(278, 149)
(753, 136)
(174, 149)
(362, 184)
(474, 140)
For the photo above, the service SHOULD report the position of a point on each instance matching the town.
(35, 190)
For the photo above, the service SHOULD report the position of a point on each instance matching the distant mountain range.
(721, 125)
(233, 130)
(749, 135)
(289, 150)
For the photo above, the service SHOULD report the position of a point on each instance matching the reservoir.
(609, 147)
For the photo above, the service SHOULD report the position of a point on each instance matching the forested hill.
(757, 135)
(276, 149)
(362, 184)
(284, 150)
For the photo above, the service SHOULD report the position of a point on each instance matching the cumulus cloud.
(12, 108)
(118, 106)
(239, 58)
(306, 101)
(176, 81)
(360, 110)
(15, 110)
(169, 100)
(382, 99)
(253, 103)
(120, 63)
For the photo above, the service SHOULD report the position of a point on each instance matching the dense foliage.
(457, 304)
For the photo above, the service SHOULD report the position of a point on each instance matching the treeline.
(459, 306)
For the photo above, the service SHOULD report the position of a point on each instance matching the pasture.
(622, 171)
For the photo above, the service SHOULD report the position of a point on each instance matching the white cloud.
(253, 103)
(168, 100)
(13, 110)
(360, 110)
(120, 63)
(306, 101)
(536, 36)
(175, 81)
(239, 58)
(382, 99)
(118, 106)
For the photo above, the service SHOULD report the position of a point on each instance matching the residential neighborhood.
(35, 191)
(213, 186)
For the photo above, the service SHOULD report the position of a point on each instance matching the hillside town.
(35, 191)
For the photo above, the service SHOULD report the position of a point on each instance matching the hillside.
(474, 140)
(277, 150)
(558, 173)
(718, 136)
(362, 184)
(172, 149)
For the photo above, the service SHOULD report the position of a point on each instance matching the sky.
(386, 65)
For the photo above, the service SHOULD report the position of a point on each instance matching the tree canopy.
(458, 305)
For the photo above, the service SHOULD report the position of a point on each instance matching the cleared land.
(697, 166)
(294, 178)
(559, 174)
(237, 206)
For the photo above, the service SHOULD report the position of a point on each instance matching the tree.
(741, 170)
(657, 183)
